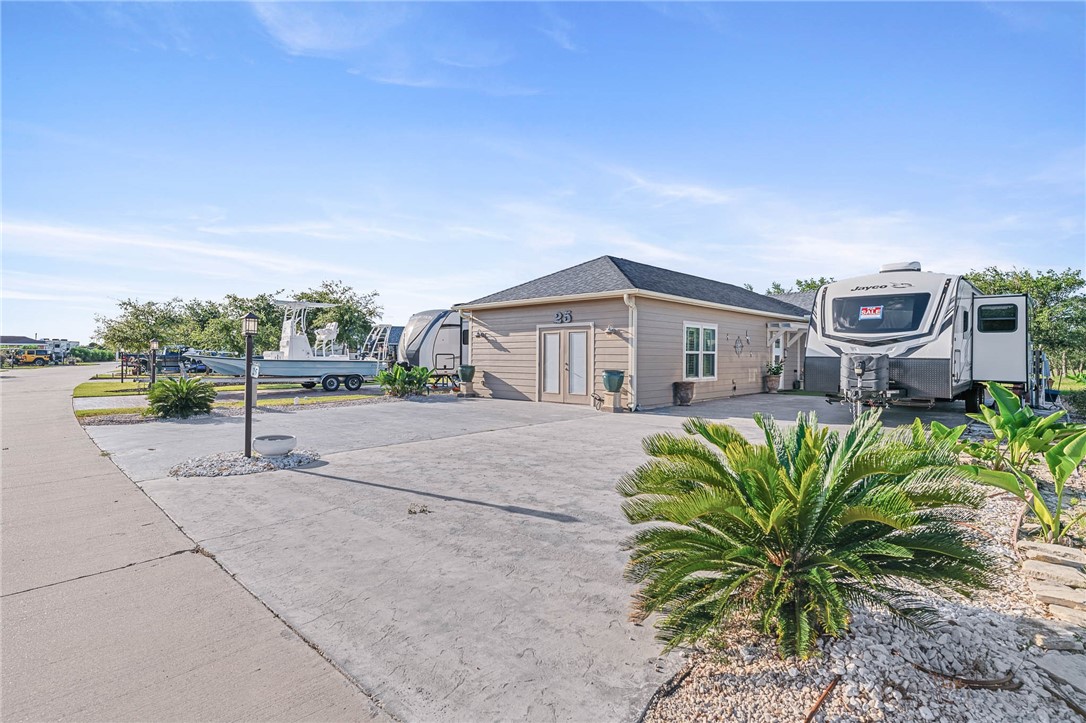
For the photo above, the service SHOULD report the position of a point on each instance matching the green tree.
(813, 284)
(139, 322)
(1058, 321)
(354, 312)
(797, 529)
(223, 332)
(776, 288)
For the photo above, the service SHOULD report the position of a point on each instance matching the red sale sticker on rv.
(870, 312)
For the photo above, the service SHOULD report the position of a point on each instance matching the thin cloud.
(327, 30)
(558, 29)
(692, 193)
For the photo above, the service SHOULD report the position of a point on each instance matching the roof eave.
(620, 293)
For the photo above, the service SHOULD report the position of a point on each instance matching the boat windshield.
(889, 314)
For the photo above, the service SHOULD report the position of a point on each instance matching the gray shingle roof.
(609, 274)
(802, 299)
(18, 340)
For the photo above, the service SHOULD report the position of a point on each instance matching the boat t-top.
(327, 363)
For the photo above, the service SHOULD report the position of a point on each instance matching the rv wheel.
(353, 383)
(330, 384)
(974, 398)
(308, 385)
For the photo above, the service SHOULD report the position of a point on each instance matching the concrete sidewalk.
(109, 611)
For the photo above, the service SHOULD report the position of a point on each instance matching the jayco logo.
(899, 285)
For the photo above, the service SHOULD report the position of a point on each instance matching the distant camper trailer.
(433, 339)
(906, 334)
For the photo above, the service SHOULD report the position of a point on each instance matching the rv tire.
(974, 398)
(353, 383)
(330, 383)
(308, 385)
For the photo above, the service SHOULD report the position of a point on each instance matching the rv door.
(1001, 338)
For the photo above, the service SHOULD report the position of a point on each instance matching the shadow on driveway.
(555, 516)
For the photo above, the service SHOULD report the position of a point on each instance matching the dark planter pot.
(612, 379)
(466, 372)
(682, 393)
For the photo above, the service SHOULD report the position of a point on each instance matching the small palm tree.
(180, 397)
(797, 529)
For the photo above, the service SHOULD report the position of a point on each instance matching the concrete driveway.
(460, 559)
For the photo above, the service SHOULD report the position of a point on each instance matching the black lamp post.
(248, 327)
(154, 359)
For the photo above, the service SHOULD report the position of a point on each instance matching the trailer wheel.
(974, 398)
(353, 383)
(308, 385)
(330, 383)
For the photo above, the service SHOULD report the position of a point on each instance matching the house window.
(699, 351)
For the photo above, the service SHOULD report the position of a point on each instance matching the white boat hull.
(316, 368)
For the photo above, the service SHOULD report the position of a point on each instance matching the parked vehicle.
(35, 357)
(436, 339)
(905, 335)
(297, 359)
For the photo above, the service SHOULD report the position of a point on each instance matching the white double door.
(564, 365)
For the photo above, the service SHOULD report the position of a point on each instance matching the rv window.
(965, 321)
(465, 338)
(879, 314)
(997, 318)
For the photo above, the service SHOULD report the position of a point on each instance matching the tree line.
(216, 325)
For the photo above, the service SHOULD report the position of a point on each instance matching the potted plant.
(773, 372)
(466, 372)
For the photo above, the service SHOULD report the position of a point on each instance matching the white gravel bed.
(742, 679)
(228, 464)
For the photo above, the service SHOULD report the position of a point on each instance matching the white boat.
(297, 358)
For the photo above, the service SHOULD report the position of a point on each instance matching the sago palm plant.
(797, 529)
(180, 397)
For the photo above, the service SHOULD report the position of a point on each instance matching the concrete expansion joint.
(196, 549)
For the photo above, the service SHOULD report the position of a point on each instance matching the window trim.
(702, 326)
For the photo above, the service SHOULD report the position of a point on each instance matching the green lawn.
(108, 389)
(288, 402)
(80, 413)
(1067, 385)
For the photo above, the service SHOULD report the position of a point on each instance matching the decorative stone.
(1065, 669)
(1049, 642)
(1054, 554)
(1054, 573)
(1059, 595)
(1069, 615)
(274, 445)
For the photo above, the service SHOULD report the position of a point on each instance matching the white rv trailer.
(906, 334)
(434, 339)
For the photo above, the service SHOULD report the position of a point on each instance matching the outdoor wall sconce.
(480, 335)
(609, 330)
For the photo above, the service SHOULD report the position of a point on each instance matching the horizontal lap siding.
(660, 352)
(505, 359)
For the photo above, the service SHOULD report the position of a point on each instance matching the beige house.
(551, 339)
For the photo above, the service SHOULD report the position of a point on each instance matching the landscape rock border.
(229, 464)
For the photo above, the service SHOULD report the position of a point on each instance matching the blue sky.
(440, 152)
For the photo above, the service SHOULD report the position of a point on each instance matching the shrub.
(1019, 435)
(1075, 401)
(400, 382)
(180, 397)
(796, 529)
(1062, 459)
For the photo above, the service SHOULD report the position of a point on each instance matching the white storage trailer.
(909, 335)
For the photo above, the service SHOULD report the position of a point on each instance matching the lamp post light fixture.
(154, 359)
(248, 327)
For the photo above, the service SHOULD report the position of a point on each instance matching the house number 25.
(563, 317)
